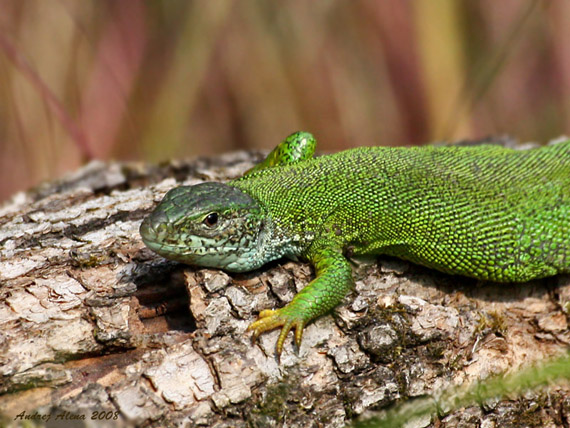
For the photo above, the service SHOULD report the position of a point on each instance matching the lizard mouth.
(191, 250)
(165, 249)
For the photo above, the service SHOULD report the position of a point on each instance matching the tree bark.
(94, 327)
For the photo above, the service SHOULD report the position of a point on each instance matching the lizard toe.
(272, 319)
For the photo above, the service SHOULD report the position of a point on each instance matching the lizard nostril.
(153, 225)
(146, 230)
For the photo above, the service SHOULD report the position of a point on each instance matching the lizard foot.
(270, 319)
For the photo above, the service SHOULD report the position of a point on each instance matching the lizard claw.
(270, 319)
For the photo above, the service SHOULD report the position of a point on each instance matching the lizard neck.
(278, 240)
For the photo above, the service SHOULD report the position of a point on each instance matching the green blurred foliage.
(160, 79)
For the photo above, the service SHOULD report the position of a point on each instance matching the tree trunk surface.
(96, 330)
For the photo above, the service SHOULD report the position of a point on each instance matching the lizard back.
(485, 211)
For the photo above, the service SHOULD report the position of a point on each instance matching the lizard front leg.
(333, 281)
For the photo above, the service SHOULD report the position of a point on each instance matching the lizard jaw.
(198, 251)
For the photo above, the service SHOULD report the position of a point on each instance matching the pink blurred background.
(155, 80)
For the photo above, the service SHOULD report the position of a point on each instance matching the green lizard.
(485, 211)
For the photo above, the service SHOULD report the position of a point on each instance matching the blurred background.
(162, 79)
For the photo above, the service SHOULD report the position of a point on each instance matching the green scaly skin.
(485, 211)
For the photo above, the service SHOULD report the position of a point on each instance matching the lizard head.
(209, 224)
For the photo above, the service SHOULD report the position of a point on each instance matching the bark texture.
(96, 330)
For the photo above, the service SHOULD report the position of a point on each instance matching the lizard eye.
(211, 219)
